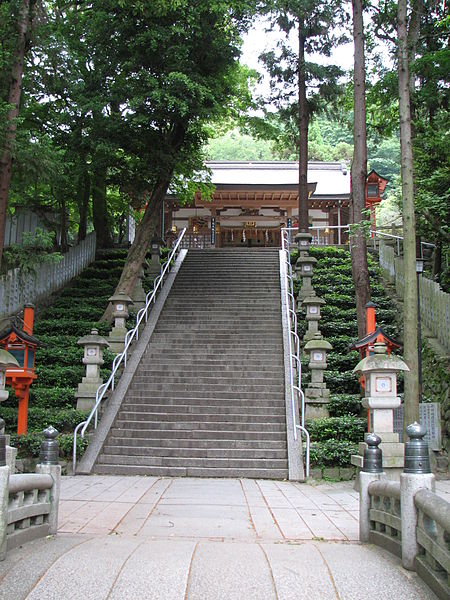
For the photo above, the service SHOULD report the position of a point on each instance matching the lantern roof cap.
(93, 338)
(380, 361)
(7, 359)
(313, 299)
(372, 337)
(318, 343)
(306, 259)
(120, 297)
(24, 337)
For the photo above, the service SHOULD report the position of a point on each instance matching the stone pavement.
(206, 539)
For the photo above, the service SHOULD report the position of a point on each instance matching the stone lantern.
(7, 361)
(312, 304)
(138, 293)
(120, 302)
(155, 250)
(316, 394)
(304, 266)
(93, 345)
(380, 374)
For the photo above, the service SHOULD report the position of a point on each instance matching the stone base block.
(116, 339)
(86, 393)
(316, 410)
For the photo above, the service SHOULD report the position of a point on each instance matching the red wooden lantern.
(22, 345)
(375, 186)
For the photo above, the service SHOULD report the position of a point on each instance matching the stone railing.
(432, 562)
(434, 302)
(407, 518)
(16, 289)
(29, 502)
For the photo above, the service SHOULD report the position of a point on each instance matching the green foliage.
(35, 249)
(28, 446)
(54, 397)
(344, 404)
(64, 419)
(70, 326)
(56, 375)
(344, 428)
(333, 453)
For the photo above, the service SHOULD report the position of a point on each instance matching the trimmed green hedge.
(28, 446)
(344, 404)
(39, 418)
(346, 427)
(332, 453)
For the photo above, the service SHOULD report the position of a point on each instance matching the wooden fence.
(16, 289)
(434, 303)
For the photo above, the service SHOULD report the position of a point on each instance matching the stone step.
(154, 409)
(194, 371)
(199, 425)
(225, 404)
(179, 360)
(176, 417)
(177, 452)
(196, 393)
(208, 463)
(153, 386)
(275, 435)
(233, 472)
(199, 444)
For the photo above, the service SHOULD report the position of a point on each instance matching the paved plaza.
(206, 539)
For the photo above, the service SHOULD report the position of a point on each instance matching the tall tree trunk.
(64, 244)
(83, 194)
(411, 413)
(142, 240)
(360, 271)
(99, 206)
(303, 118)
(15, 87)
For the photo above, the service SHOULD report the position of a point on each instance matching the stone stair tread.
(247, 473)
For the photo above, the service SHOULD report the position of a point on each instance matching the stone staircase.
(207, 398)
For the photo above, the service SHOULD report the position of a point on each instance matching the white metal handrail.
(295, 365)
(132, 334)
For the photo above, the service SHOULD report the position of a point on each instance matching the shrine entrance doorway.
(252, 237)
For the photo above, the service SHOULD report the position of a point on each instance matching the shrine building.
(253, 200)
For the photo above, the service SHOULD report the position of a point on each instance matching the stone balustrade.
(29, 502)
(407, 518)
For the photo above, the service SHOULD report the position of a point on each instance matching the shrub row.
(332, 453)
(72, 326)
(346, 427)
(28, 446)
(64, 419)
(344, 404)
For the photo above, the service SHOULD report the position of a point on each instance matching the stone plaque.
(383, 384)
(430, 417)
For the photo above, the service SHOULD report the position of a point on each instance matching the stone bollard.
(372, 471)
(49, 465)
(4, 493)
(416, 476)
